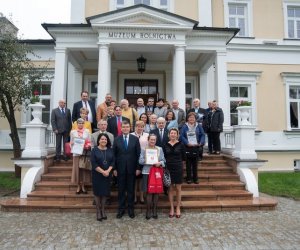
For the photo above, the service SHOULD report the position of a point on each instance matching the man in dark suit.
(161, 132)
(85, 103)
(127, 151)
(114, 123)
(61, 124)
(179, 113)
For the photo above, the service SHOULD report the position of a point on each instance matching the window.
(292, 82)
(238, 14)
(44, 90)
(242, 87)
(237, 94)
(293, 19)
(237, 18)
(294, 103)
(146, 2)
(167, 5)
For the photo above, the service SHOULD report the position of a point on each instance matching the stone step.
(25, 205)
(204, 185)
(186, 195)
(65, 176)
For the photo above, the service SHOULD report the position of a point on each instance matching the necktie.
(85, 104)
(161, 134)
(125, 142)
(63, 111)
(119, 126)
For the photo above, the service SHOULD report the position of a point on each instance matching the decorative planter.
(37, 109)
(244, 115)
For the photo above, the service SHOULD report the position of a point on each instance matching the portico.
(100, 55)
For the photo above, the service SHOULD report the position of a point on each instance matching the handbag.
(85, 162)
(155, 180)
(167, 178)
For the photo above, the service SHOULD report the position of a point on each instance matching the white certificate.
(191, 136)
(78, 145)
(151, 156)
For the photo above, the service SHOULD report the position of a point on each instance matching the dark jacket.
(112, 125)
(126, 160)
(201, 114)
(76, 112)
(199, 134)
(161, 142)
(61, 123)
(215, 121)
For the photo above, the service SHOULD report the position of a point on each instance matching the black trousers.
(126, 185)
(216, 143)
(192, 166)
(61, 137)
(209, 141)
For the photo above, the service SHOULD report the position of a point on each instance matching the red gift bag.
(68, 149)
(155, 180)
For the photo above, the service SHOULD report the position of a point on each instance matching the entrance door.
(140, 88)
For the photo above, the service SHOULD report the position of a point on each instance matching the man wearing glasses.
(150, 105)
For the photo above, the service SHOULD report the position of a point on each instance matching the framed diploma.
(191, 136)
(151, 156)
(78, 145)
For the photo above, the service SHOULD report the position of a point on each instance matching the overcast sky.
(28, 15)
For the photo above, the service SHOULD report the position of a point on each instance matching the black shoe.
(148, 217)
(196, 181)
(131, 214)
(189, 182)
(154, 216)
(120, 214)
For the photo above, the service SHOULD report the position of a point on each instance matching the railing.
(50, 139)
(230, 139)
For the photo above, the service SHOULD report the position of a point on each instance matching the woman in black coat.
(215, 120)
(103, 161)
(174, 152)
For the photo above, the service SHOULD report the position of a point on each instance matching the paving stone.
(278, 229)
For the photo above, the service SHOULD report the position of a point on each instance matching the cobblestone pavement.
(279, 229)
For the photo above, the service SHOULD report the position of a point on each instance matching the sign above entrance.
(142, 35)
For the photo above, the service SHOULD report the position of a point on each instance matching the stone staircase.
(219, 190)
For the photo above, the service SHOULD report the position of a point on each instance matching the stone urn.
(244, 115)
(37, 109)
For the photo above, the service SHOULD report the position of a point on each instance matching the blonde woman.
(84, 112)
(79, 175)
(143, 138)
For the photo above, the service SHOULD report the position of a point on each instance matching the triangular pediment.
(141, 15)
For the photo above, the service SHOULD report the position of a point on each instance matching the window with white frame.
(294, 105)
(160, 4)
(238, 93)
(146, 2)
(293, 20)
(242, 87)
(44, 91)
(292, 84)
(238, 14)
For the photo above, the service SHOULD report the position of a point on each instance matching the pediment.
(141, 15)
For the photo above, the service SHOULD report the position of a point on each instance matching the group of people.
(119, 137)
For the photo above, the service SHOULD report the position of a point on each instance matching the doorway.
(140, 88)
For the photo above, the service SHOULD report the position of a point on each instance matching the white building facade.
(224, 50)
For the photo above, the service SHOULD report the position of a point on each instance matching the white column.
(109, 72)
(179, 75)
(74, 86)
(114, 84)
(169, 79)
(222, 87)
(205, 13)
(203, 88)
(103, 71)
(60, 76)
